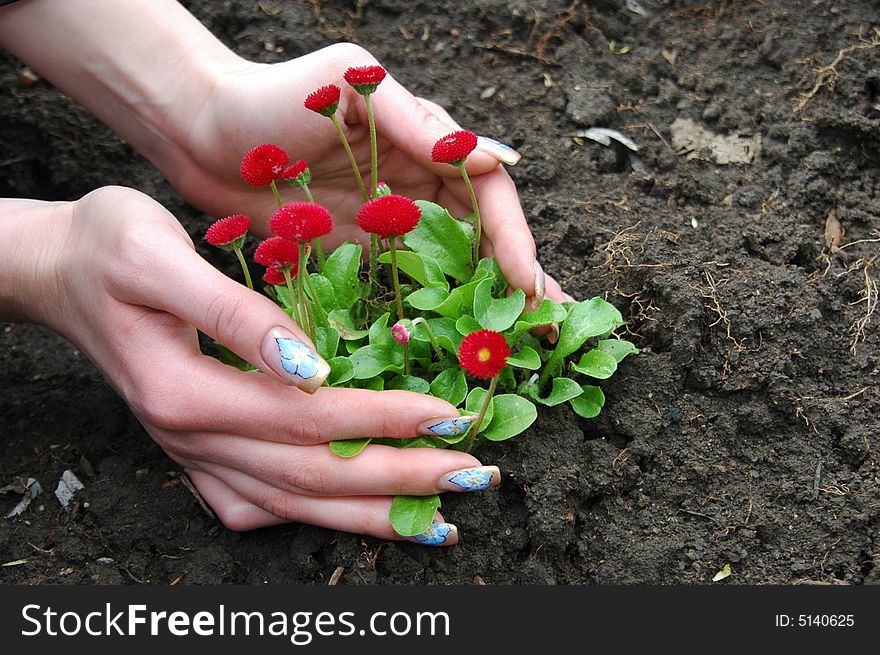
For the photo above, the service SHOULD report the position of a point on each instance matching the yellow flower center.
(484, 354)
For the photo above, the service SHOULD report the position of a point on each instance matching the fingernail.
(439, 534)
(448, 427)
(568, 298)
(553, 335)
(540, 282)
(294, 361)
(473, 479)
(500, 151)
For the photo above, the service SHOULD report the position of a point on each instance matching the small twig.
(337, 574)
(195, 492)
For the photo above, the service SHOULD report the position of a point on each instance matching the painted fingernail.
(448, 427)
(500, 151)
(553, 335)
(294, 361)
(439, 534)
(540, 282)
(473, 479)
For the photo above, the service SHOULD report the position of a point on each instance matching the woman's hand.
(120, 279)
(258, 103)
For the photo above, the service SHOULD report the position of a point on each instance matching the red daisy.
(388, 216)
(263, 164)
(324, 100)
(365, 79)
(483, 354)
(276, 252)
(454, 148)
(301, 221)
(275, 276)
(228, 232)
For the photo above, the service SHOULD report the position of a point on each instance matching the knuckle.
(227, 316)
(306, 429)
(352, 54)
(282, 504)
(161, 407)
(304, 476)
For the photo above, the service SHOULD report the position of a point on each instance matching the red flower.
(483, 354)
(324, 100)
(276, 252)
(388, 216)
(399, 333)
(454, 148)
(365, 79)
(228, 232)
(263, 164)
(297, 174)
(275, 276)
(301, 221)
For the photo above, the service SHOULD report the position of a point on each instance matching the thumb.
(246, 322)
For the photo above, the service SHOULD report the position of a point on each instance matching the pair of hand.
(130, 291)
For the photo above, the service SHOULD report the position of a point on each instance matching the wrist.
(33, 233)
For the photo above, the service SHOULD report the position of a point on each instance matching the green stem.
(421, 321)
(319, 253)
(477, 223)
(395, 278)
(308, 192)
(293, 299)
(374, 260)
(311, 288)
(374, 156)
(469, 440)
(301, 294)
(276, 194)
(244, 267)
(351, 159)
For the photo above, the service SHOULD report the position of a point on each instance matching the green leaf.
(231, 359)
(596, 364)
(549, 312)
(450, 385)
(371, 361)
(563, 389)
(618, 348)
(497, 313)
(373, 384)
(341, 371)
(590, 318)
(513, 414)
(324, 291)
(412, 515)
(444, 331)
(442, 238)
(427, 299)
(341, 269)
(408, 383)
(420, 442)
(590, 402)
(328, 342)
(527, 357)
(348, 447)
(420, 268)
(380, 333)
(466, 324)
(723, 573)
(340, 320)
(474, 403)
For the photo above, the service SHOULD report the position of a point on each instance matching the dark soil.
(746, 431)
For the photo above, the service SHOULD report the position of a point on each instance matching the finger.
(358, 515)
(500, 151)
(246, 322)
(236, 512)
(413, 127)
(221, 398)
(377, 470)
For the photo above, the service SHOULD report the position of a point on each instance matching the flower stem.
(374, 260)
(469, 440)
(276, 194)
(244, 267)
(477, 222)
(351, 159)
(421, 321)
(311, 289)
(306, 307)
(374, 157)
(293, 299)
(395, 278)
(308, 192)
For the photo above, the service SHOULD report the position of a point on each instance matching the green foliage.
(445, 299)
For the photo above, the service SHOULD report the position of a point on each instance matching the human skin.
(112, 271)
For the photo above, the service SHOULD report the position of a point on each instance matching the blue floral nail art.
(435, 535)
(452, 427)
(472, 479)
(297, 358)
